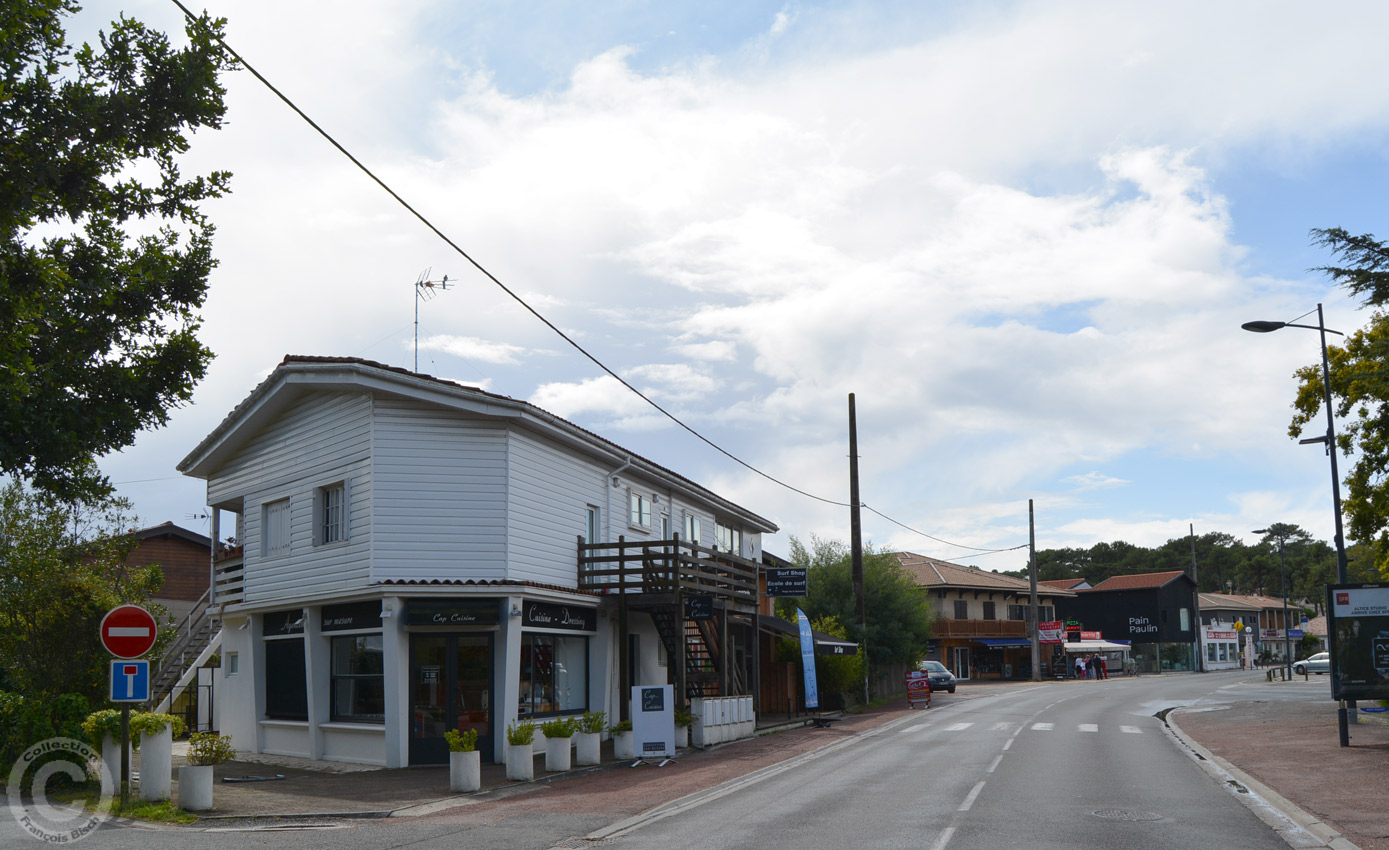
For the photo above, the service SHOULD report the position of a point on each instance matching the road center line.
(995, 764)
(973, 795)
(944, 838)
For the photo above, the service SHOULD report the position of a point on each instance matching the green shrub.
(560, 727)
(461, 742)
(621, 726)
(25, 722)
(683, 717)
(210, 748)
(520, 732)
(593, 721)
(108, 722)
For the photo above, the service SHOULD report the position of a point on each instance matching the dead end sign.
(128, 631)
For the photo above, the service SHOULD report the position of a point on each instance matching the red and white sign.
(1051, 631)
(918, 688)
(128, 631)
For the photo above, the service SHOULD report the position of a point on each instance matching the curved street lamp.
(1283, 569)
(1263, 327)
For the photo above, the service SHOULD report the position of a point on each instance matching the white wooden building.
(405, 558)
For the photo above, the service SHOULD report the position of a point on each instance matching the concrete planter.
(520, 762)
(111, 764)
(587, 748)
(682, 736)
(623, 745)
(465, 771)
(557, 754)
(157, 765)
(195, 787)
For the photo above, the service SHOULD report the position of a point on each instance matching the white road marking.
(1132, 730)
(1043, 727)
(958, 727)
(1006, 744)
(1087, 727)
(1001, 727)
(995, 764)
(973, 795)
(944, 838)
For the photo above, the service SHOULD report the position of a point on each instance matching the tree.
(899, 615)
(104, 254)
(1359, 378)
(55, 587)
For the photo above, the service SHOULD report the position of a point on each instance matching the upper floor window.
(331, 509)
(692, 528)
(275, 528)
(728, 538)
(640, 510)
(989, 611)
(961, 609)
(591, 524)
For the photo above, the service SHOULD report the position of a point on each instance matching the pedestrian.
(1080, 666)
(1103, 666)
(1092, 670)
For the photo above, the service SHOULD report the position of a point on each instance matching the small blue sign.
(1294, 634)
(130, 681)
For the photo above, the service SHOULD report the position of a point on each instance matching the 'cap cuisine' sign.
(544, 615)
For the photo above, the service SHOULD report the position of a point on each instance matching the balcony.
(228, 576)
(978, 628)
(658, 570)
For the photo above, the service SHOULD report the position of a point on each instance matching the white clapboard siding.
(321, 440)
(440, 508)
(550, 489)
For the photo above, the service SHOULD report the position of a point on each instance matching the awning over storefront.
(1003, 642)
(1097, 646)
(824, 644)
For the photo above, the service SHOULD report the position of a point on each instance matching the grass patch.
(89, 794)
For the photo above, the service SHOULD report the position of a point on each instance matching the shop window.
(961, 609)
(1211, 651)
(554, 674)
(358, 681)
(286, 693)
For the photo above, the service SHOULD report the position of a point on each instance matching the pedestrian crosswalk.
(1013, 727)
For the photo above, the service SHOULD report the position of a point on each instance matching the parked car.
(1319, 663)
(941, 677)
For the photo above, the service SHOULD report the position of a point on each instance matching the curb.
(1312, 825)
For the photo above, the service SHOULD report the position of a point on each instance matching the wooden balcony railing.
(228, 578)
(666, 567)
(979, 628)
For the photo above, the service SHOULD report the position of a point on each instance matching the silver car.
(1319, 663)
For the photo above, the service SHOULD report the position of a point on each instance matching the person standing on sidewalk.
(1080, 666)
(1102, 671)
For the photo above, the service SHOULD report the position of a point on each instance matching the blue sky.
(1024, 235)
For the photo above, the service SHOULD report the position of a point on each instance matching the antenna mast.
(425, 291)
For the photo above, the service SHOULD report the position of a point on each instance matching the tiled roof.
(1141, 581)
(932, 572)
(1247, 600)
(1219, 601)
(1063, 583)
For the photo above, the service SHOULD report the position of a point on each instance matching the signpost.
(127, 632)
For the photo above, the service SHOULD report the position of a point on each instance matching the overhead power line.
(522, 302)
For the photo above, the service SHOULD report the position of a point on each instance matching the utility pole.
(1200, 659)
(856, 543)
(1032, 581)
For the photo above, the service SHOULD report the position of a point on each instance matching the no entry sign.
(127, 631)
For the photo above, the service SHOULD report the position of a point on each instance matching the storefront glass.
(359, 692)
(554, 674)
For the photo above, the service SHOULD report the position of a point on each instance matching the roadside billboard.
(1358, 626)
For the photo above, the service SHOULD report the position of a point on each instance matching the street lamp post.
(1283, 570)
(1262, 327)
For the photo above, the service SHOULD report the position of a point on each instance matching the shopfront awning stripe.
(1003, 642)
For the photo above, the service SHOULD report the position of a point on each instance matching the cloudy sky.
(1024, 235)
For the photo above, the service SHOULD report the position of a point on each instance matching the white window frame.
(275, 528)
(330, 529)
(233, 664)
(728, 538)
(692, 528)
(593, 524)
(638, 510)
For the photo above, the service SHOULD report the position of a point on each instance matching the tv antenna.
(425, 290)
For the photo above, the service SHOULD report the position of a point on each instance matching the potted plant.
(520, 761)
(557, 735)
(683, 721)
(205, 750)
(157, 733)
(588, 738)
(465, 762)
(623, 748)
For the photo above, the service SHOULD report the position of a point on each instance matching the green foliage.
(592, 722)
(520, 732)
(621, 726)
(899, 616)
(683, 717)
(99, 724)
(63, 567)
(209, 748)
(837, 676)
(26, 721)
(104, 254)
(560, 727)
(461, 742)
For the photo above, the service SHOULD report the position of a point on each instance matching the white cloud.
(1093, 481)
(470, 348)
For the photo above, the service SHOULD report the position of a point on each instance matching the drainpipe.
(621, 628)
(608, 491)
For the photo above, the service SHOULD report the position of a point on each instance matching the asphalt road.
(1075, 766)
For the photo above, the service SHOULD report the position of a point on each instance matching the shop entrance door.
(450, 688)
(961, 662)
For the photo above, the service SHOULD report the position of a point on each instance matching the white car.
(1319, 663)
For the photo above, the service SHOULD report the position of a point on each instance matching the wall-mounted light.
(244, 625)
(386, 612)
(515, 609)
(617, 482)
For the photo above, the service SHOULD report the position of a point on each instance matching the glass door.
(450, 688)
(961, 662)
